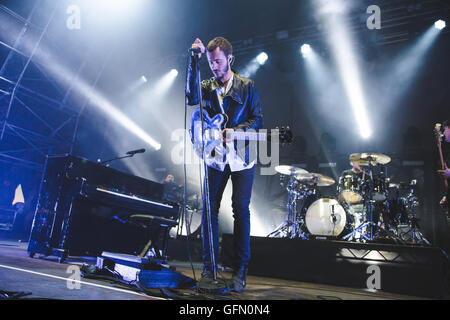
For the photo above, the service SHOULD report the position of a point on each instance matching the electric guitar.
(437, 130)
(212, 145)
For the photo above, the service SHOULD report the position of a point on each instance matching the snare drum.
(350, 189)
(325, 217)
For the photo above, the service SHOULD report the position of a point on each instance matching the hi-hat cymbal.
(315, 179)
(289, 170)
(364, 159)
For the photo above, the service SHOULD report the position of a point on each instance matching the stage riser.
(414, 271)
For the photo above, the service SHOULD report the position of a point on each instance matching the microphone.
(333, 216)
(195, 50)
(133, 152)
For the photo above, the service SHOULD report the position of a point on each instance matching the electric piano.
(85, 208)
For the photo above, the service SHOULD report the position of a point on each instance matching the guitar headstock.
(438, 132)
(285, 135)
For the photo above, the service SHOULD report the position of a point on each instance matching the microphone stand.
(210, 286)
(118, 158)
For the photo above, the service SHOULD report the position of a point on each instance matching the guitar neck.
(442, 160)
(252, 136)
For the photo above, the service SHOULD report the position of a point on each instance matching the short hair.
(222, 43)
(446, 123)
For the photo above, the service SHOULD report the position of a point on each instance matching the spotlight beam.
(163, 85)
(402, 72)
(42, 56)
(344, 55)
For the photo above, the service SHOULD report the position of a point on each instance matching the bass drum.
(326, 217)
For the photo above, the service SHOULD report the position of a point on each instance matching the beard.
(221, 73)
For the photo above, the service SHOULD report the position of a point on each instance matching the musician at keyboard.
(172, 191)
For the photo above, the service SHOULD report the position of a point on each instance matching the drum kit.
(362, 210)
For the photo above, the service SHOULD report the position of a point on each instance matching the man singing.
(227, 93)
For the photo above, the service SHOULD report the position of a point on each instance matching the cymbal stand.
(297, 220)
(292, 227)
(413, 222)
(365, 223)
(416, 235)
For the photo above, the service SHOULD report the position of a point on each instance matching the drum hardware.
(190, 223)
(360, 200)
(374, 192)
(350, 189)
(301, 186)
(355, 217)
(379, 188)
(411, 233)
(289, 170)
(315, 179)
(403, 213)
(293, 226)
(369, 159)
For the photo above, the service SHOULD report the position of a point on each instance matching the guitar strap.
(221, 93)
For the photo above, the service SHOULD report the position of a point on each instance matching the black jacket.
(241, 103)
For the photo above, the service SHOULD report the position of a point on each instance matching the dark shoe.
(208, 285)
(239, 279)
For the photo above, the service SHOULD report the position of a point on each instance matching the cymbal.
(403, 185)
(315, 178)
(364, 159)
(289, 170)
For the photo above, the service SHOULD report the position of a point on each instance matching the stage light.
(173, 73)
(440, 24)
(262, 58)
(305, 50)
(144, 79)
(254, 65)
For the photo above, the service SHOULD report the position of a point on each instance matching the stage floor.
(45, 278)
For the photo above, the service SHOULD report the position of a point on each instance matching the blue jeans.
(242, 188)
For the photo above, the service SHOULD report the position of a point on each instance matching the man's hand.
(227, 135)
(445, 173)
(198, 44)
